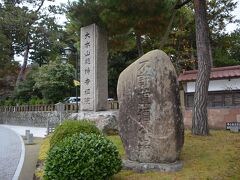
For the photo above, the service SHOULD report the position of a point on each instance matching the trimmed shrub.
(83, 156)
(70, 127)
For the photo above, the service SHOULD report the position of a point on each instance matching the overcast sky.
(231, 27)
(60, 19)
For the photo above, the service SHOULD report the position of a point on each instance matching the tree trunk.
(200, 115)
(25, 59)
(139, 45)
(27, 46)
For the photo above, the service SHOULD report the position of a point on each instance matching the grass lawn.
(213, 157)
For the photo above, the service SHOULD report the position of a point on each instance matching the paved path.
(11, 154)
(30, 160)
(37, 131)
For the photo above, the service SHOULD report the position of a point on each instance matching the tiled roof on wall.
(216, 73)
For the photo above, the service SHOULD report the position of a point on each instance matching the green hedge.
(70, 127)
(83, 156)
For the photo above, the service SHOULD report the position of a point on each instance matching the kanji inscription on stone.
(93, 69)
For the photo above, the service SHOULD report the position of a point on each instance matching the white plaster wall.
(217, 85)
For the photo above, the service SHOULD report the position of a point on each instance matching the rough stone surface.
(94, 89)
(145, 167)
(150, 119)
(106, 121)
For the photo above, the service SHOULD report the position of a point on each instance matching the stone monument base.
(146, 167)
(106, 121)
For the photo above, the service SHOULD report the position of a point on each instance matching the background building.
(223, 98)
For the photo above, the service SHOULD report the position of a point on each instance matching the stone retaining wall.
(104, 120)
(34, 119)
(217, 117)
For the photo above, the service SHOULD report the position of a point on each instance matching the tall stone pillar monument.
(93, 62)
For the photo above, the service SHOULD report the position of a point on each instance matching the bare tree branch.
(178, 6)
(167, 32)
(40, 6)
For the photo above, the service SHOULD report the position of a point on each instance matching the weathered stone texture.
(150, 119)
(94, 89)
(146, 167)
(106, 121)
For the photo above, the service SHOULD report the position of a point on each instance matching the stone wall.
(105, 120)
(217, 117)
(32, 118)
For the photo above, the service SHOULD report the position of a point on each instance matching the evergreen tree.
(124, 20)
(23, 22)
(200, 115)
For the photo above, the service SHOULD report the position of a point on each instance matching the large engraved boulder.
(150, 120)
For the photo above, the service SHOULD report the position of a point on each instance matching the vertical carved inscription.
(143, 106)
(87, 68)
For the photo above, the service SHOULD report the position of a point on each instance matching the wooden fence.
(68, 107)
